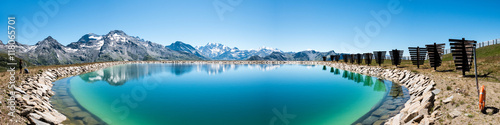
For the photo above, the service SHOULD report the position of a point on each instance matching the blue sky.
(290, 25)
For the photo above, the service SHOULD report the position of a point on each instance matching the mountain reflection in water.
(378, 85)
(118, 75)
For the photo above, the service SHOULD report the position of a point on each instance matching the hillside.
(488, 61)
(483, 52)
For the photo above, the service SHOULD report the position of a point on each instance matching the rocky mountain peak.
(178, 45)
(178, 42)
(49, 41)
(89, 36)
(50, 38)
(116, 32)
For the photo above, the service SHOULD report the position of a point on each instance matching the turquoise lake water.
(218, 94)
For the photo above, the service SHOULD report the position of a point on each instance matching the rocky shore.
(419, 109)
(34, 92)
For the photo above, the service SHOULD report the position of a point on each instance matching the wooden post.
(435, 67)
(396, 56)
(380, 58)
(464, 61)
(475, 70)
(418, 57)
(435, 60)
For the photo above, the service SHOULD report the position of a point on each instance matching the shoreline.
(37, 108)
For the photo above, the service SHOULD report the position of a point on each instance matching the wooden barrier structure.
(345, 57)
(462, 52)
(352, 58)
(435, 52)
(379, 57)
(368, 58)
(396, 56)
(417, 55)
(359, 58)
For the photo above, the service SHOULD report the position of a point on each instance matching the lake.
(220, 94)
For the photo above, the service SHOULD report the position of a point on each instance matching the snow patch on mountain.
(222, 52)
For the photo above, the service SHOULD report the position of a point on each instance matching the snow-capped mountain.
(213, 50)
(47, 51)
(114, 46)
(118, 46)
(218, 51)
(264, 51)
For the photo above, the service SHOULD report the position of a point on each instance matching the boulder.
(436, 91)
(428, 100)
(90, 121)
(449, 99)
(410, 117)
(425, 121)
(396, 120)
(370, 120)
(455, 113)
(379, 122)
(34, 115)
(51, 118)
(75, 109)
(82, 114)
(414, 107)
(379, 112)
(37, 122)
(19, 90)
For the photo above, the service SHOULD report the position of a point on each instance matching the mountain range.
(308, 55)
(118, 46)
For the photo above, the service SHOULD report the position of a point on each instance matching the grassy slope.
(4, 59)
(483, 52)
(488, 61)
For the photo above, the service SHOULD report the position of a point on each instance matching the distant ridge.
(114, 46)
(118, 46)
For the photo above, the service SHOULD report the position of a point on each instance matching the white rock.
(436, 91)
(34, 115)
(37, 122)
(455, 113)
(426, 101)
(448, 99)
(19, 90)
(396, 120)
(52, 118)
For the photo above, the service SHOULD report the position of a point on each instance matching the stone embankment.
(34, 92)
(419, 109)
